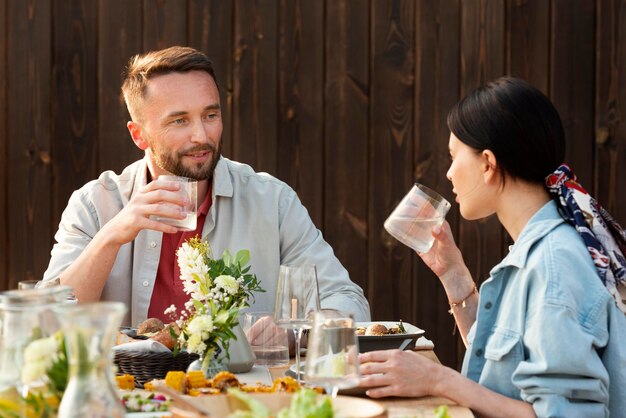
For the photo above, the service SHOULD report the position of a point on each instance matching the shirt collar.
(542, 222)
(222, 184)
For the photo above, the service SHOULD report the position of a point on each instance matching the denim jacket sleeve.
(563, 373)
(563, 377)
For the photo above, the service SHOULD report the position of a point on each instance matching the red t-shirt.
(168, 288)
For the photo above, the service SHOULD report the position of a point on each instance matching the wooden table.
(409, 407)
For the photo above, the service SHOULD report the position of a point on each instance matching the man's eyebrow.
(176, 113)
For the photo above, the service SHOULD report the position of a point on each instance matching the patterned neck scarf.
(604, 238)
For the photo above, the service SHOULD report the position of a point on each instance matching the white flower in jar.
(201, 325)
(196, 345)
(228, 283)
(38, 357)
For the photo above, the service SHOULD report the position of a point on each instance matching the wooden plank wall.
(345, 100)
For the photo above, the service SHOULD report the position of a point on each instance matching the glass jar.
(25, 316)
(90, 331)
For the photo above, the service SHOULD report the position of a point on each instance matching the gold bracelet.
(461, 303)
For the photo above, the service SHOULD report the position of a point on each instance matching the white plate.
(222, 405)
(387, 342)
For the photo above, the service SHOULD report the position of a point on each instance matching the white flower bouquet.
(44, 376)
(218, 290)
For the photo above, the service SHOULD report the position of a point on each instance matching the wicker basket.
(147, 366)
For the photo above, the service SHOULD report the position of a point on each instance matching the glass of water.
(297, 298)
(188, 187)
(332, 359)
(269, 342)
(412, 221)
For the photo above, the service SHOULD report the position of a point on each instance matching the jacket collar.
(542, 222)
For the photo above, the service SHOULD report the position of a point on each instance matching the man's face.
(181, 125)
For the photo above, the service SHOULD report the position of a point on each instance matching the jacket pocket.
(504, 343)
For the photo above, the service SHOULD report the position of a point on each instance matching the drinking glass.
(27, 284)
(268, 341)
(189, 188)
(297, 298)
(332, 358)
(412, 221)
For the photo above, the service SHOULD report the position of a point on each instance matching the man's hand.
(157, 199)
(266, 332)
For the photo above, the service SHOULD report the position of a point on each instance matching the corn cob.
(125, 381)
(196, 379)
(176, 380)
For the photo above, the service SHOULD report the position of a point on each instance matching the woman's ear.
(490, 167)
(135, 133)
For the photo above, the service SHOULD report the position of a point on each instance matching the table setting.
(218, 356)
(259, 374)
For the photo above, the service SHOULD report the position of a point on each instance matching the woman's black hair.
(517, 122)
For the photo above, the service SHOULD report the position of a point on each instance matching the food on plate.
(150, 326)
(225, 380)
(193, 383)
(286, 384)
(125, 381)
(380, 329)
(196, 379)
(176, 380)
(305, 403)
(376, 329)
(151, 402)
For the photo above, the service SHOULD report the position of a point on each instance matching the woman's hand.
(409, 374)
(397, 373)
(444, 258)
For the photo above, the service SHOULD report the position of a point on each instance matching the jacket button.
(153, 244)
(488, 305)
(145, 283)
(479, 352)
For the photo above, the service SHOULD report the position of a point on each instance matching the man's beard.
(199, 171)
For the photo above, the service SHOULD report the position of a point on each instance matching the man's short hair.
(143, 67)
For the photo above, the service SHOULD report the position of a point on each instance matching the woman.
(545, 337)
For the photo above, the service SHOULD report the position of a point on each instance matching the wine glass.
(297, 297)
(332, 358)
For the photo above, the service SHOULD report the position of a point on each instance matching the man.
(110, 243)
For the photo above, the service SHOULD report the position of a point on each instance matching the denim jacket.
(250, 210)
(547, 331)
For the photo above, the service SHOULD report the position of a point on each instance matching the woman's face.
(466, 173)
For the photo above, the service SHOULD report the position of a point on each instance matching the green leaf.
(243, 257)
(227, 258)
(221, 317)
(198, 305)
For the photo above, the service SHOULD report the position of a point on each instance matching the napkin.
(258, 374)
(144, 346)
(424, 343)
